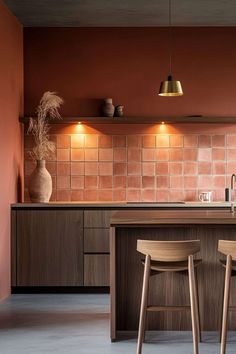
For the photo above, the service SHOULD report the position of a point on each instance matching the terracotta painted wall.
(85, 65)
(135, 162)
(11, 105)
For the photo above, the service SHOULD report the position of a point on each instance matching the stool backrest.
(227, 247)
(168, 251)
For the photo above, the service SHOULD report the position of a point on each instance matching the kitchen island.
(126, 270)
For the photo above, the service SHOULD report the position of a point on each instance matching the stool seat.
(171, 266)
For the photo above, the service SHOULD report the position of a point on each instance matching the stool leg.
(145, 313)
(192, 290)
(143, 308)
(221, 315)
(197, 307)
(226, 304)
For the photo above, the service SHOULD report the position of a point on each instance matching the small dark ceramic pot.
(119, 111)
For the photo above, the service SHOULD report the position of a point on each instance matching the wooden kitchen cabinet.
(60, 247)
(96, 240)
(96, 270)
(49, 248)
(96, 247)
(97, 218)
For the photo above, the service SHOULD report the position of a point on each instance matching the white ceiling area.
(122, 13)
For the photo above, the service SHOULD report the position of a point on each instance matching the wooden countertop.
(176, 217)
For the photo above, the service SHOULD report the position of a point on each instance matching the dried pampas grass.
(39, 127)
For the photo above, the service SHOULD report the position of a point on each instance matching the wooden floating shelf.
(137, 120)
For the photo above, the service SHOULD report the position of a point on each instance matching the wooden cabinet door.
(97, 218)
(49, 248)
(96, 240)
(96, 270)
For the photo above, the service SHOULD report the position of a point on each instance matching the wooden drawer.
(96, 270)
(96, 241)
(97, 218)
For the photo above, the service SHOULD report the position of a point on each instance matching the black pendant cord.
(170, 41)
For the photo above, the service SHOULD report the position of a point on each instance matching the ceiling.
(122, 13)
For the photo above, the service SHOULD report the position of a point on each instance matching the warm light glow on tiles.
(82, 128)
(163, 128)
(77, 141)
(160, 128)
(79, 128)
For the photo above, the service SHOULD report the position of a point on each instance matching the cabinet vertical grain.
(49, 248)
(96, 270)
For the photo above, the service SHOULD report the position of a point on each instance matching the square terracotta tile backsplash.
(149, 167)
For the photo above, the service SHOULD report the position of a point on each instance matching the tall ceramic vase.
(40, 184)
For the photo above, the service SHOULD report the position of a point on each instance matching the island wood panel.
(96, 240)
(96, 270)
(175, 217)
(168, 289)
(49, 248)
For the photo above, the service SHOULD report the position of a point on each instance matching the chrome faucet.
(233, 180)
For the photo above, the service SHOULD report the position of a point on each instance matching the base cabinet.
(96, 240)
(49, 248)
(96, 270)
(96, 247)
(60, 247)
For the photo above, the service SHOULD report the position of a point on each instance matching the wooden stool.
(228, 248)
(169, 256)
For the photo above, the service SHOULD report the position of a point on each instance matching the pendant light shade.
(170, 87)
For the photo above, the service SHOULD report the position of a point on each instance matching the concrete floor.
(69, 324)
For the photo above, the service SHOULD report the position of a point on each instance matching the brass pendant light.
(170, 87)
